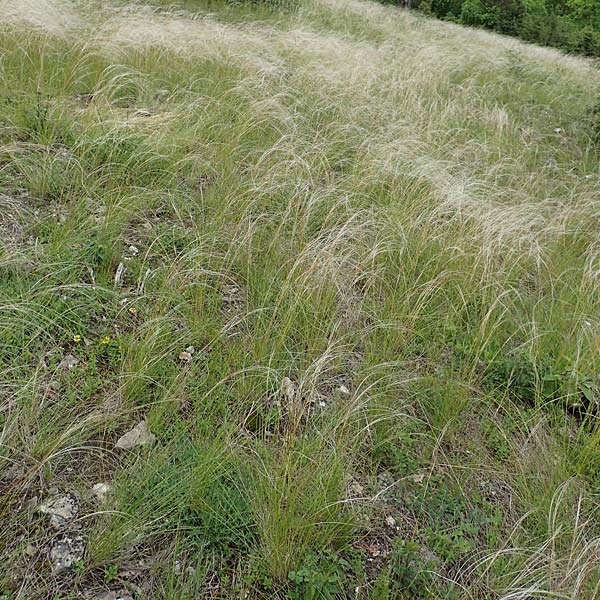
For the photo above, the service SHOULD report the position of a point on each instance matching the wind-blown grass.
(379, 234)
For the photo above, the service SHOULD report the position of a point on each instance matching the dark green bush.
(595, 112)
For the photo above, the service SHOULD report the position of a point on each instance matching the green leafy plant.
(321, 576)
(412, 573)
(111, 573)
(496, 441)
(79, 567)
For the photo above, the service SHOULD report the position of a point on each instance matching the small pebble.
(67, 551)
(288, 388)
(140, 435)
(100, 491)
(68, 362)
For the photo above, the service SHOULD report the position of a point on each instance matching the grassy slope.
(399, 216)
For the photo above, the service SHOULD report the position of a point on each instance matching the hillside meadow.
(298, 304)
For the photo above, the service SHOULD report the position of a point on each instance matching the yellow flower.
(133, 310)
(77, 339)
(105, 340)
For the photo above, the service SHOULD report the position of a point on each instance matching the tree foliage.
(572, 25)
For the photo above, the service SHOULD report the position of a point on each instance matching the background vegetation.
(572, 25)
